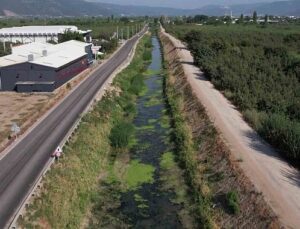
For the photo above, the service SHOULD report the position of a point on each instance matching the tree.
(241, 20)
(255, 17)
(124, 19)
(70, 35)
(200, 18)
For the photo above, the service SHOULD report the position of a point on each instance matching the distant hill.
(79, 8)
(84, 8)
(286, 8)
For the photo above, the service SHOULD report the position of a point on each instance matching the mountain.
(187, 4)
(82, 8)
(79, 8)
(286, 8)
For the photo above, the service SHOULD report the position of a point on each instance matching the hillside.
(87, 8)
(78, 8)
(273, 8)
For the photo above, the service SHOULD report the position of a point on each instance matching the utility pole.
(4, 48)
(127, 32)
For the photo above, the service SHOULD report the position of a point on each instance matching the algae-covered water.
(145, 187)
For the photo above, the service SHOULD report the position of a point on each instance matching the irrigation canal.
(157, 196)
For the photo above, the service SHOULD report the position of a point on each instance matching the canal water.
(160, 201)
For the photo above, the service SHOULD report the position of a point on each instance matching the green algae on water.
(138, 174)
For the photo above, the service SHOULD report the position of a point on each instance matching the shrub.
(255, 118)
(147, 56)
(137, 84)
(148, 44)
(120, 135)
(233, 202)
(284, 134)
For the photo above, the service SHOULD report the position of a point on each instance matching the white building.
(44, 34)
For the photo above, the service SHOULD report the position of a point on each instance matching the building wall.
(26, 88)
(10, 75)
(24, 72)
(69, 71)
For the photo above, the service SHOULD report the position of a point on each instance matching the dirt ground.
(17, 108)
(271, 175)
(24, 109)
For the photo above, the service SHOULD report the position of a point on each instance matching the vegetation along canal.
(145, 187)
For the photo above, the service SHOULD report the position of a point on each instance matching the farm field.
(258, 69)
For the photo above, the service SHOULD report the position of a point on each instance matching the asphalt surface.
(20, 168)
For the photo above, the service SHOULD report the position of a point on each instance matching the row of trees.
(260, 73)
(242, 19)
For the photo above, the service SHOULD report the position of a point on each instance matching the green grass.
(233, 202)
(138, 174)
(165, 121)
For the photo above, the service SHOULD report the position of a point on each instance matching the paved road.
(20, 168)
(272, 175)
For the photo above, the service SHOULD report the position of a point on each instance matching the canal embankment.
(224, 195)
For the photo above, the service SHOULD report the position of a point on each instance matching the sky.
(184, 4)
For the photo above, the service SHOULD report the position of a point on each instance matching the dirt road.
(271, 175)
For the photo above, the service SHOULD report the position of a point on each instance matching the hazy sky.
(180, 3)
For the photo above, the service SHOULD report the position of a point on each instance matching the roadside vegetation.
(257, 68)
(223, 196)
(71, 186)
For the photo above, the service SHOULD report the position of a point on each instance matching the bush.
(284, 134)
(233, 202)
(120, 135)
(255, 118)
(137, 84)
(148, 44)
(147, 56)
